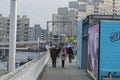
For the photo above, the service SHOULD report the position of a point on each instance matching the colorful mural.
(93, 45)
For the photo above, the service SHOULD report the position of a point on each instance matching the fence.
(29, 71)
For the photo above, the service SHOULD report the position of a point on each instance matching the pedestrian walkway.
(70, 72)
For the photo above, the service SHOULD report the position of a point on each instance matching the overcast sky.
(39, 11)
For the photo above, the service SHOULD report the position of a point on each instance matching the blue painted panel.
(109, 46)
(79, 44)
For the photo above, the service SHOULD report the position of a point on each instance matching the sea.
(20, 57)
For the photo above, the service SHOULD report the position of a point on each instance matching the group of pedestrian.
(61, 52)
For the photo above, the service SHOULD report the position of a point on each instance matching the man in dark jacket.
(54, 55)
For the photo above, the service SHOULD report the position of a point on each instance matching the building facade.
(72, 18)
(101, 7)
(59, 26)
(80, 9)
(67, 26)
(36, 33)
(116, 7)
(70, 14)
(22, 28)
(86, 9)
(44, 34)
(89, 1)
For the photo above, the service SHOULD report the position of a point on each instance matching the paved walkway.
(70, 72)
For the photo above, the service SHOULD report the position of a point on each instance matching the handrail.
(29, 71)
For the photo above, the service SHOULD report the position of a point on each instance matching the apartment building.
(116, 7)
(58, 26)
(108, 7)
(72, 18)
(37, 32)
(4, 28)
(22, 28)
(101, 7)
(80, 9)
(67, 26)
(104, 7)
(44, 34)
(31, 36)
(89, 1)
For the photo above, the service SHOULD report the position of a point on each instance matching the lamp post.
(12, 41)
(48, 39)
(4, 47)
(38, 43)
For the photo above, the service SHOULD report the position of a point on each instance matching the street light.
(12, 35)
(38, 43)
(48, 31)
(4, 47)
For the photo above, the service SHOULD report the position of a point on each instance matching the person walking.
(66, 48)
(63, 56)
(70, 53)
(50, 50)
(54, 56)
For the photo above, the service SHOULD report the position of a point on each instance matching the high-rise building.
(44, 34)
(31, 36)
(62, 11)
(108, 7)
(83, 0)
(68, 16)
(74, 4)
(80, 9)
(89, 1)
(101, 7)
(104, 7)
(116, 7)
(72, 18)
(59, 26)
(36, 33)
(4, 29)
(22, 28)
(66, 24)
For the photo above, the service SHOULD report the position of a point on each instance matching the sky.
(39, 11)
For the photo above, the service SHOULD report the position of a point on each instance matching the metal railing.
(29, 71)
(23, 42)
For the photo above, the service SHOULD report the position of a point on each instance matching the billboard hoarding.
(93, 46)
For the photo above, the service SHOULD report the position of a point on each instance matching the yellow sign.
(70, 40)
